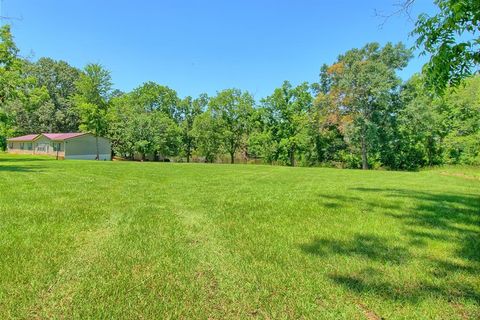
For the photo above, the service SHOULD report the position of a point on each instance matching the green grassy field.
(85, 239)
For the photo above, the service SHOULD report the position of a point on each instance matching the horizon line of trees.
(359, 114)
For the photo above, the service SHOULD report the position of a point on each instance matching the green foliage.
(207, 132)
(452, 38)
(11, 80)
(460, 120)
(151, 97)
(166, 135)
(188, 110)
(286, 120)
(232, 109)
(36, 97)
(416, 134)
(359, 114)
(92, 99)
(120, 119)
(94, 86)
(361, 86)
(143, 122)
(59, 79)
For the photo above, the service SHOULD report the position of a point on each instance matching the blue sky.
(204, 46)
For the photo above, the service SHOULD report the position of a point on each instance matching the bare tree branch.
(403, 7)
(5, 17)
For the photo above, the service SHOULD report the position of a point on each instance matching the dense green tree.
(232, 109)
(188, 110)
(166, 135)
(142, 122)
(11, 80)
(92, 99)
(151, 97)
(363, 80)
(208, 135)
(459, 112)
(416, 134)
(141, 134)
(59, 79)
(287, 111)
(10, 67)
(32, 112)
(260, 143)
(325, 130)
(120, 122)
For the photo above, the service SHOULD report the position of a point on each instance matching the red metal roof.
(28, 137)
(62, 136)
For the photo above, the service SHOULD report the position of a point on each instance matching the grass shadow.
(25, 159)
(458, 214)
(414, 293)
(14, 168)
(366, 246)
(448, 219)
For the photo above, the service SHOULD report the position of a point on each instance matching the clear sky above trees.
(198, 46)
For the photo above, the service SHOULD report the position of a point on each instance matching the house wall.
(84, 147)
(43, 146)
(20, 147)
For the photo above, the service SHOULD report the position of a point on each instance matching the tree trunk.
(98, 153)
(364, 152)
(292, 157)
(188, 158)
(232, 157)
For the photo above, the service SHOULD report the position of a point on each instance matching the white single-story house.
(62, 145)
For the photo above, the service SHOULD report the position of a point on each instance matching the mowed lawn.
(86, 239)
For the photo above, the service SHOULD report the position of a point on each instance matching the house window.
(10, 145)
(29, 146)
(22, 146)
(57, 146)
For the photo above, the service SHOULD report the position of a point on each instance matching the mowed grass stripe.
(84, 239)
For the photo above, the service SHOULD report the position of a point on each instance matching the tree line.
(359, 114)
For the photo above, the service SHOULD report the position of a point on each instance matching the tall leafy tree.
(188, 110)
(33, 111)
(207, 132)
(59, 79)
(362, 81)
(232, 109)
(260, 143)
(141, 133)
(144, 122)
(287, 111)
(120, 117)
(325, 129)
(151, 97)
(92, 99)
(166, 135)
(459, 113)
(11, 80)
